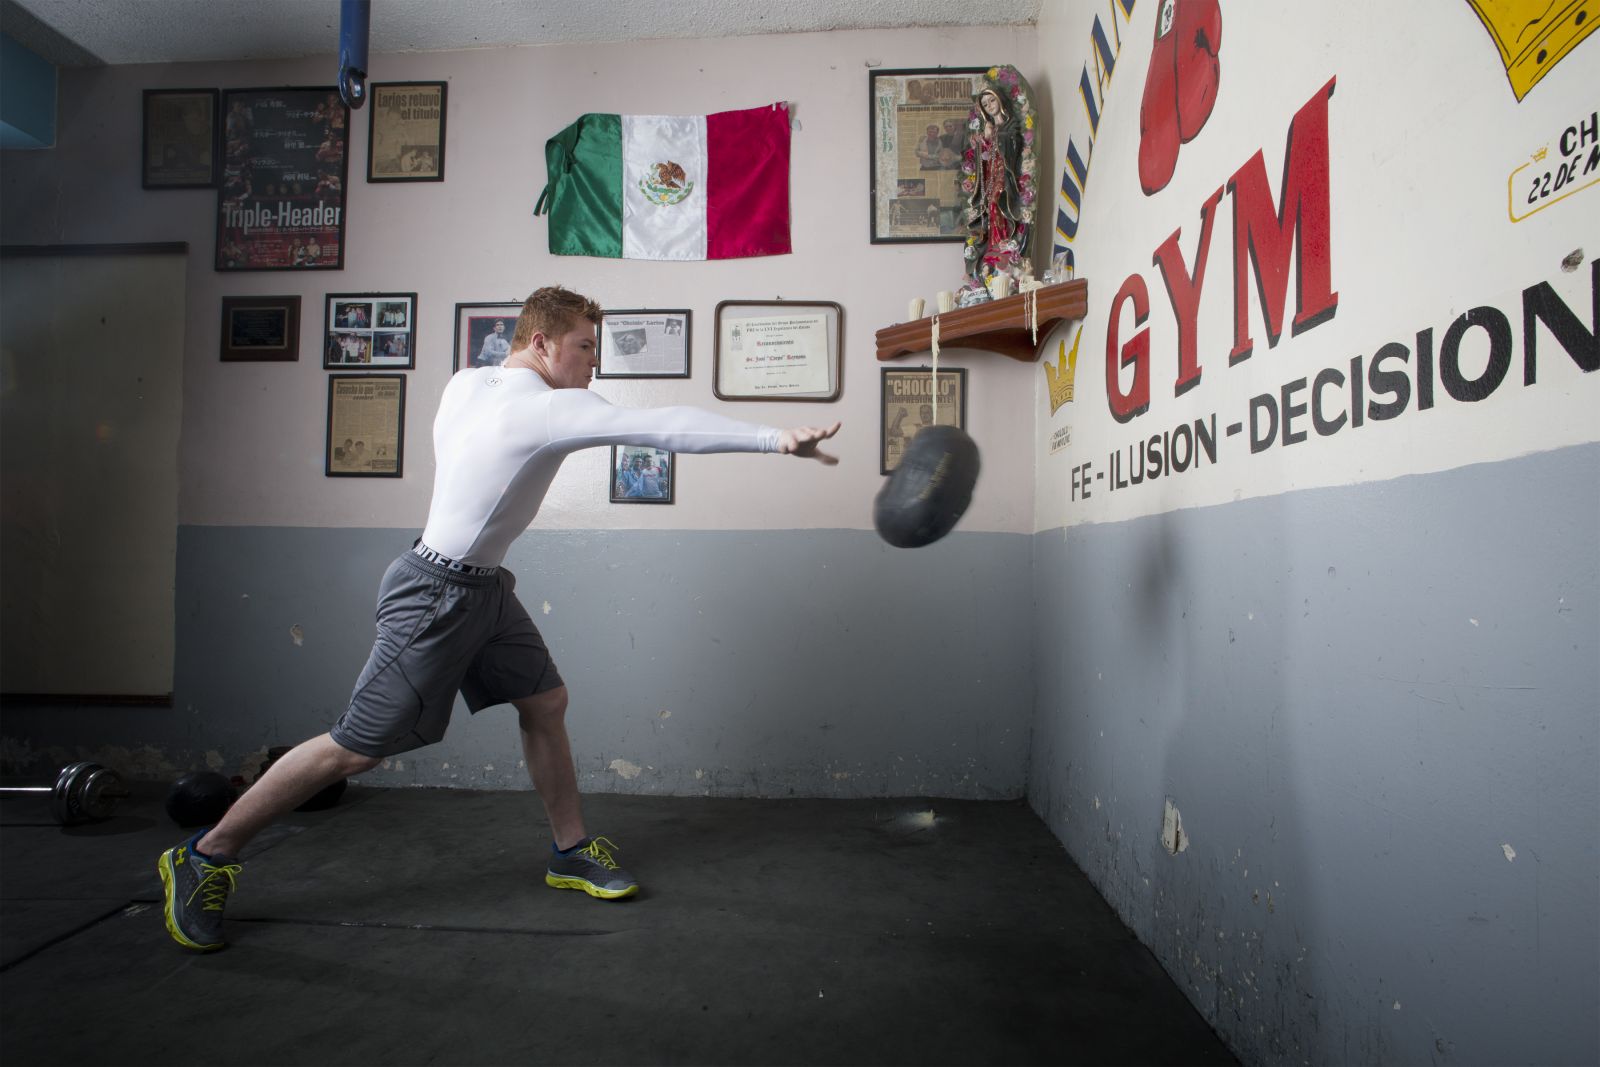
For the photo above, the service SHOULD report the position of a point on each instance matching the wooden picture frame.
(369, 331)
(644, 343)
(260, 329)
(178, 148)
(366, 426)
(405, 131)
(778, 350)
(918, 136)
(475, 325)
(281, 198)
(907, 407)
(641, 474)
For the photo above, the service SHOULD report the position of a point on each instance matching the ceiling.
(96, 32)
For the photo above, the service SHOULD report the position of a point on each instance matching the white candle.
(914, 310)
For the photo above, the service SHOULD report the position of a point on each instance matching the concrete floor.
(413, 926)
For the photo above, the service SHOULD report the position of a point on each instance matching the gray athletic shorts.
(439, 632)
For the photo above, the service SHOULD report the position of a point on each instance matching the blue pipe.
(355, 21)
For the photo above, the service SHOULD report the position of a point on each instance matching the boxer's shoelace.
(600, 852)
(216, 885)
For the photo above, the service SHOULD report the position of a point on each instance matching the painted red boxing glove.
(1197, 27)
(1158, 109)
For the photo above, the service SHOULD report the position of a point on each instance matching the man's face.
(499, 329)
(571, 356)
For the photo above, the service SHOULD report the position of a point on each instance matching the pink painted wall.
(252, 443)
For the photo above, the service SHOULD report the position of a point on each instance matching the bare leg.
(288, 783)
(543, 719)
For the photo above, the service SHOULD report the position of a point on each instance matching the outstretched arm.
(803, 441)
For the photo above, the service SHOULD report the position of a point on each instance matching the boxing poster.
(280, 205)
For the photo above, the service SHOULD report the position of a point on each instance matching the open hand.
(803, 441)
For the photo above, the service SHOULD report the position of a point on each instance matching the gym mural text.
(1399, 378)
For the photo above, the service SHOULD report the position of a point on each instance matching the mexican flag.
(670, 186)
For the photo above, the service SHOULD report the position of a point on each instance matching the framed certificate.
(258, 329)
(778, 350)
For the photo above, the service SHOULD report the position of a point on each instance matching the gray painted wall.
(1377, 711)
(768, 663)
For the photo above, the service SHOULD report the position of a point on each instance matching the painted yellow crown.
(1060, 377)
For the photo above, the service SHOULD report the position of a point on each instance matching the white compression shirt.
(501, 434)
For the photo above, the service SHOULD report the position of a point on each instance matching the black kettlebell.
(200, 798)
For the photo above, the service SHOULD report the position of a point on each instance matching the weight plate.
(101, 791)
(63, 798)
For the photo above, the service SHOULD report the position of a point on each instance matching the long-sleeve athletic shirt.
(501, 434)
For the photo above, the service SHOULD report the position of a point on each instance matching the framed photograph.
(908, 406)
(641, 475)
(180, 138)
(405, 132)
(919, 134)
(369, 331)
(280, 205)
(366, 425)
(483, 334)
(644, 344)
(778, 350)
(260, 329)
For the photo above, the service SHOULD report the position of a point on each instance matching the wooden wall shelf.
(999, 326)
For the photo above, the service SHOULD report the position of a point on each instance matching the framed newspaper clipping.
(919, 132)
(281, 202)
(908, 406)
(366, 426)
(405, 132)
(644, 343)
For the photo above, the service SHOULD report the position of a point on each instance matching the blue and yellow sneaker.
(196, 888)
(589, 866)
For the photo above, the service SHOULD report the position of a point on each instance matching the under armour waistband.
(438, 559)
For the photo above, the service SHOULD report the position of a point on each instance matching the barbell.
(83, 792)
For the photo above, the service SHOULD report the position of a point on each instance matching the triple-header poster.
(281, 202)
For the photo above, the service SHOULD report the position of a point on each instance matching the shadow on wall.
(1232, 908)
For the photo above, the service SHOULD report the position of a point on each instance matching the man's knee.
(542, 709)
